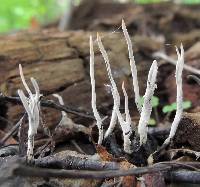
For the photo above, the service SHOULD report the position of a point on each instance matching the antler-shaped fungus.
(179, 97)
(32, 107)
(98, 118)
(147, 107)
(125, 124)
(133, 68)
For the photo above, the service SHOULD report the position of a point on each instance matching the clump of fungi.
(145, 110)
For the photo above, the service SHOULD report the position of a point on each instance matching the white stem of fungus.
(179, 97)
(133, 67)
(65, 120)
(147, 107)
(126, 126)
(128, 117)
(93, 101)
(113, 122)
(32, 107)
(60, 100)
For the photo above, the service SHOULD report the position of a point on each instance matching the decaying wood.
(12, 169)
(60, 63)
(188, 132)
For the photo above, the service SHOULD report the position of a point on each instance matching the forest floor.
(68, 154)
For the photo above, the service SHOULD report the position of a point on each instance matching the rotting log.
(60, 63)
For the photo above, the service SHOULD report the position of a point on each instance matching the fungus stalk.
(133, 67)
(68, 123)
(135, 82)
(179, 97)
(65, 120)
(32, 107)
(113, 122)
(147, 107)
(114, 87)
(125, 124)
(93, 101)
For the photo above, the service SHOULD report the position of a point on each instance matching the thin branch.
(12, 131)
(21, 170)
(197, 79)
(49, 104)
(65, 19)
(172, 61)
(82, 162)
(190, 177)
(185, 152)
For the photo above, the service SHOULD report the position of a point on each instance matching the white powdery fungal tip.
(23, 80)
(32, 107)
(93, 100)
(133, 67)
(179, 97)
(147, 107)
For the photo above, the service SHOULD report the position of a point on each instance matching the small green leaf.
(152, 122)
(154, 101)
(167, 108)
(141, 100)
(172, 107)
(187, 104)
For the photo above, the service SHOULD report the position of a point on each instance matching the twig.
(50, 104)
(65, 19)
(82, 162)
(77, 147)
(174, 152)
(172, 61)
(12, 131)
(192, 177)
(21, 170)
(197, 79)
(6, 120)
